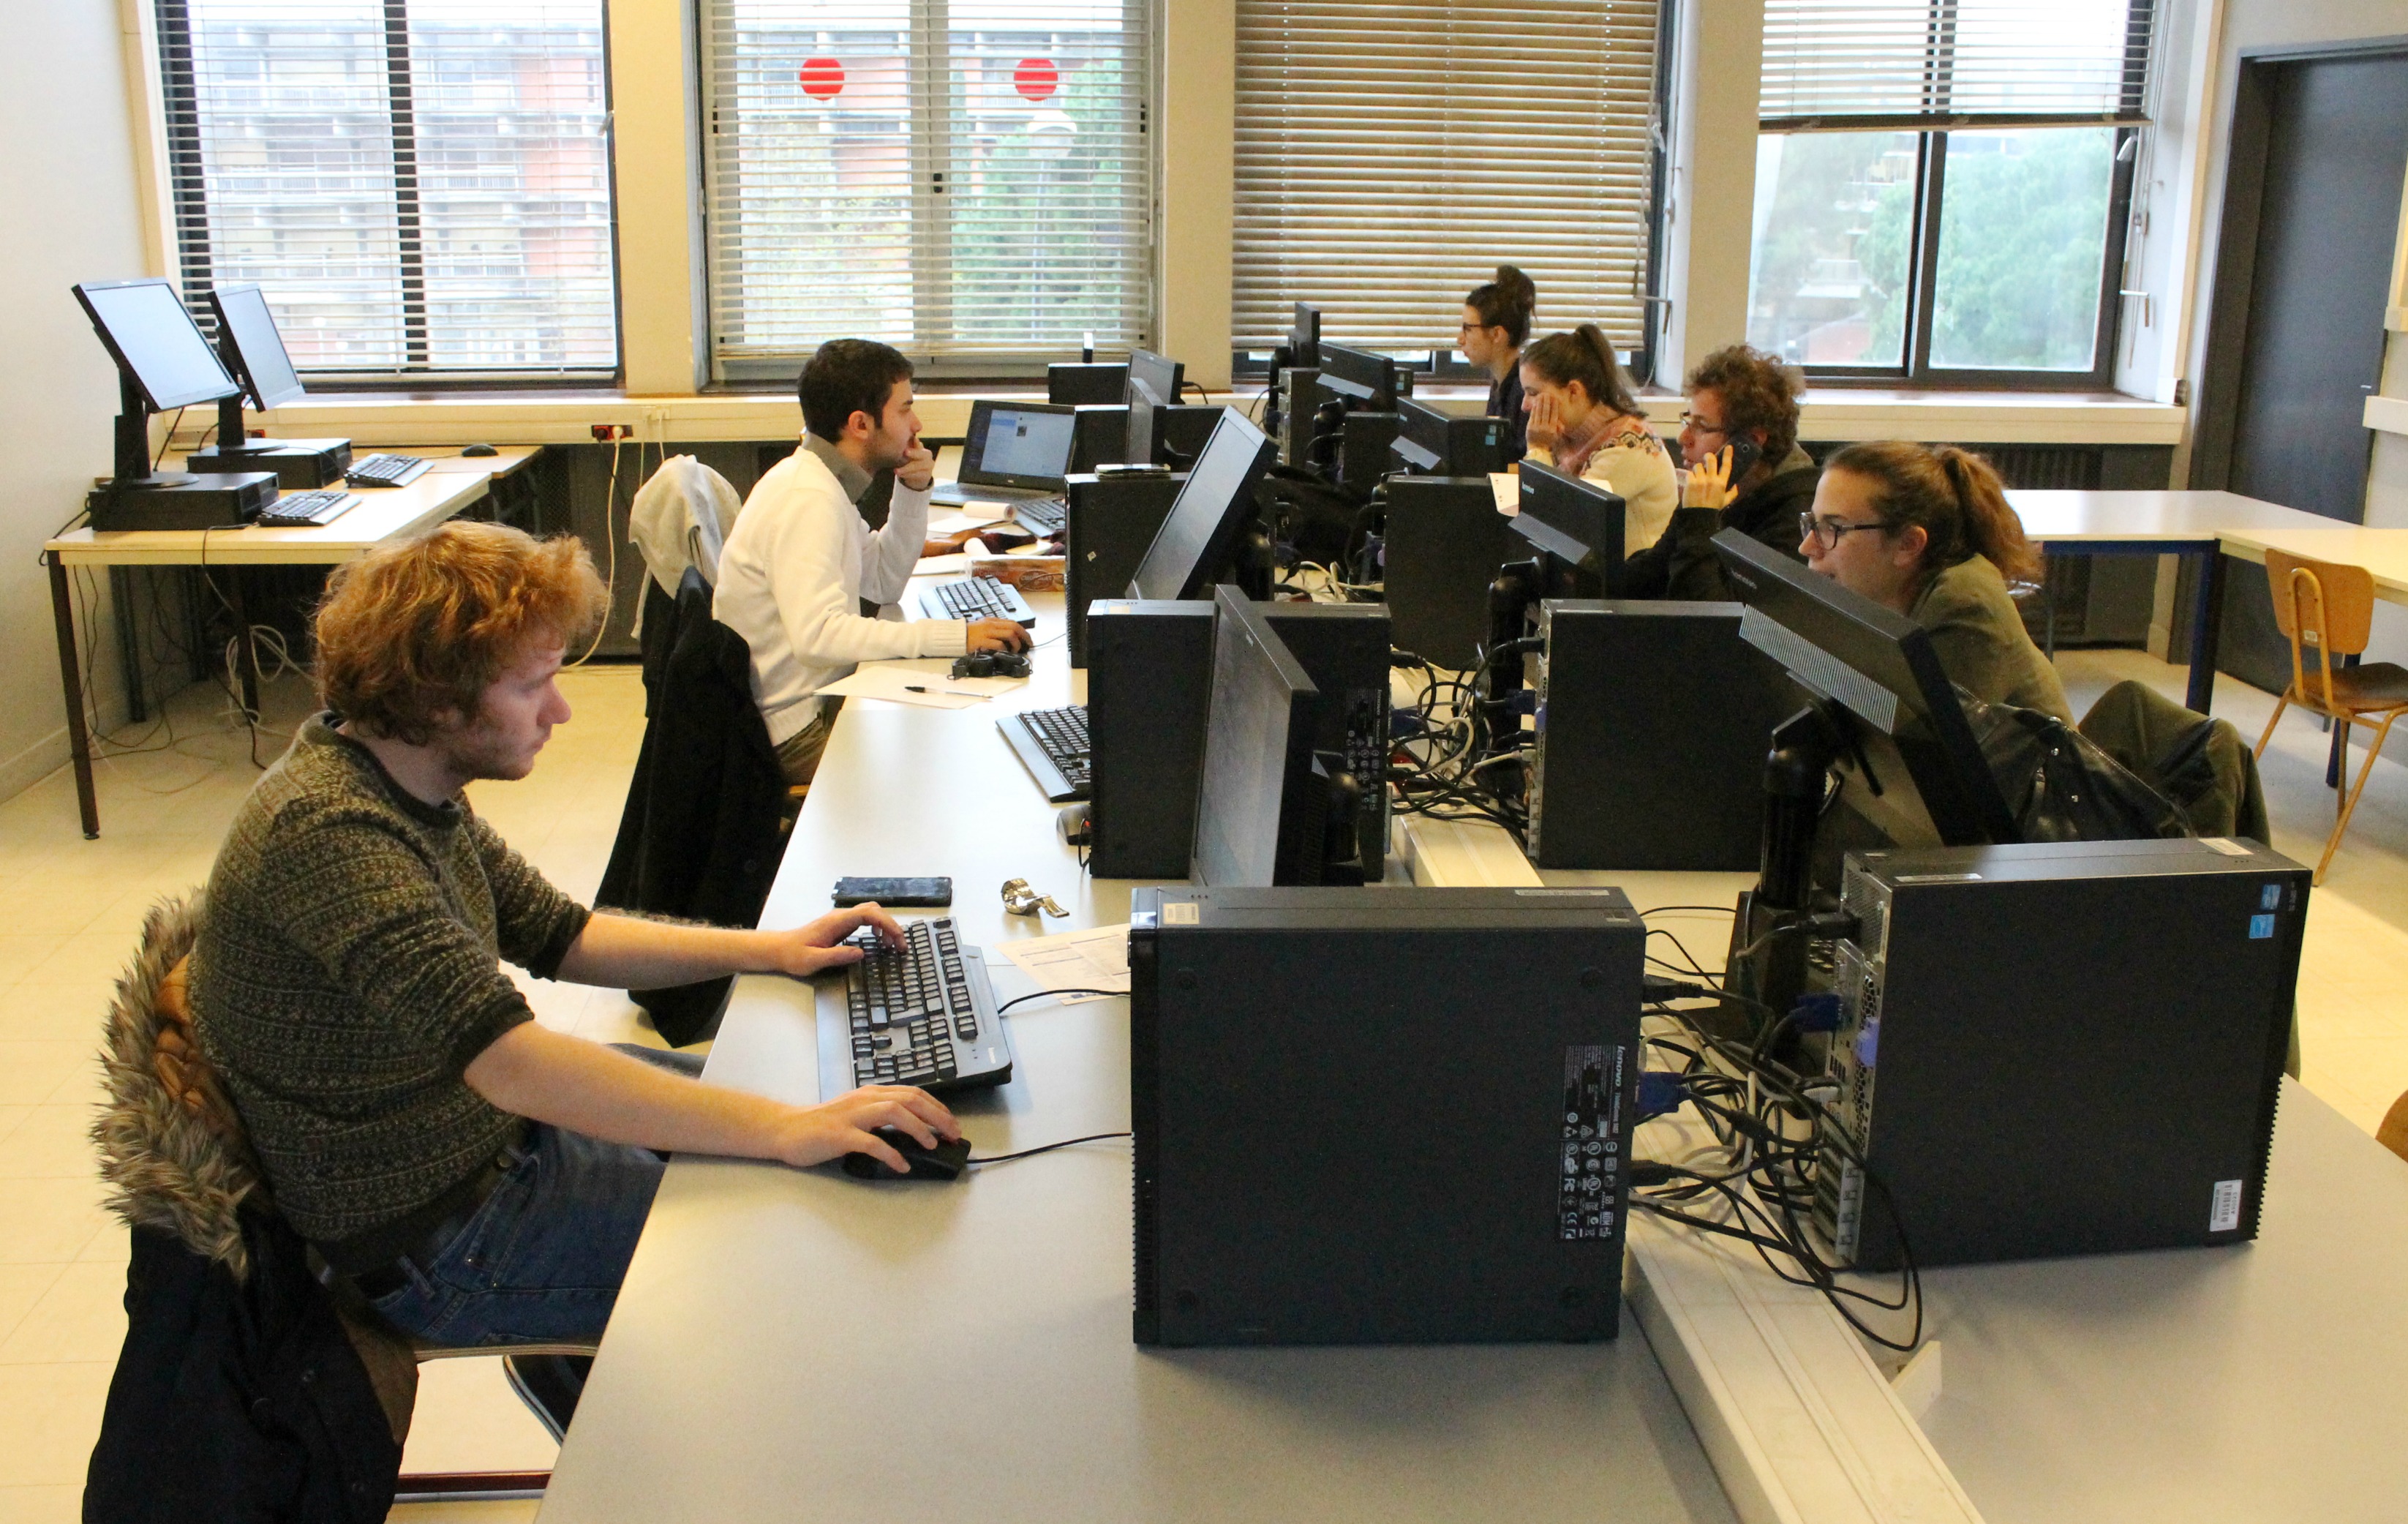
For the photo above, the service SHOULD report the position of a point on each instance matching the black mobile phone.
(1743, 455)
(907, 893)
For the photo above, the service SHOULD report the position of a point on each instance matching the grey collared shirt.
(851, 478)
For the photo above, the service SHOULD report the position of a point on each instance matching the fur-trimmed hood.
(168, 1166)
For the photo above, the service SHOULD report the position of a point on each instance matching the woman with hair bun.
(1928, 532)
(1585, 421)
(1495, 324)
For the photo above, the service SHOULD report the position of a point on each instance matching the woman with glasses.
(1928, 532)
(1583, 422)
(1496, 324)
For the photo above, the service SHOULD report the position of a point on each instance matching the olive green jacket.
(1979, 639)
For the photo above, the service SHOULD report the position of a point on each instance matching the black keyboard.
(1046, 516)
(978, 597)
(1051, 744)
(306, 510)
(924, 1015)
(385, 471)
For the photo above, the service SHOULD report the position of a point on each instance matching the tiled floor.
(69, 910)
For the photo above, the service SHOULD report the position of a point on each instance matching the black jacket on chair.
(238, 1399)
(701, 835)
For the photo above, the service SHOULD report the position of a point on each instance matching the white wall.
(69, 211)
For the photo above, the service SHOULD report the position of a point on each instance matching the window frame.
(190, 212)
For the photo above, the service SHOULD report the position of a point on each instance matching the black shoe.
(550, 1386)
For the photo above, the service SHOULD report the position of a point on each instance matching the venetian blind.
(1390, 156)
(968, 180)
(1937, 63)
(417, 185)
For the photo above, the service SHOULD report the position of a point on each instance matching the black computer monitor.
(1442, 545)
(163, 362)
(1431, 442)
(1265, 804)
(1142, 427)
(1166, 375)
(1577, 524)
(1361, 379)
(1199, 543)
(252, 346)
(1304, 336)
(1018, 444)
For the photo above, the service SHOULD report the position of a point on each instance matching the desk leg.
(2206, 619)
(71, 679)
(244, 651)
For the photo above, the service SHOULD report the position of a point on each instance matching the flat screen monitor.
(1159, 371)
(249, 329)
(1431, 442)
(1142, 427)
(1304, 336)
(1577, 524)
(1912, 773)
(1363, 381)
(1261, 804)
(1018, 444)
(1198, 540)
(155, 342)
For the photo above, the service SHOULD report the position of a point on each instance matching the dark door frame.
(2220, 367)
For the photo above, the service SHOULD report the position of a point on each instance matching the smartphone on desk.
(907, 894)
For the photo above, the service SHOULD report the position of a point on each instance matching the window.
(1390, 157)
(968, 180)
(420, 187)
(1941, 187)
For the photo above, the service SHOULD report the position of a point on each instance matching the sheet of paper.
(972, 516)
(1092, 960)
(1507, 487)
(897, 683)
(942, 566)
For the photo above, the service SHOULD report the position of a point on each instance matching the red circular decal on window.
(822, 79)
(1036, 79)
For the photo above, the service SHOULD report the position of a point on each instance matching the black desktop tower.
(300, 465)
(1093, 381)
(1655, 720)
(1098, 436)
(1397, 1117)
(1149, 693)
(1363, 447)
(1149, 699)
(2062, 1048)
(1443, 545)
(1110, 524)
(227, 501)
(1181, 432)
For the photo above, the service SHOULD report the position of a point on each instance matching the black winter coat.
(240, 1403)
(1682, 564)
(701, 834)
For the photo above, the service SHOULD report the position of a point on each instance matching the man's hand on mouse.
(995, 635)
(843, 1125)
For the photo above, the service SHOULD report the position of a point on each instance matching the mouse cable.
(1049, 994)
(1027, 1153)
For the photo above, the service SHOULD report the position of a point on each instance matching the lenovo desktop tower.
(1654, 722)
(1149, 697)
(1300, 394)
(2056, 1049)
(1109, 525)
(1389, 1117)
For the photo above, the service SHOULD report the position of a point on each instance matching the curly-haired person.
(481, 1178)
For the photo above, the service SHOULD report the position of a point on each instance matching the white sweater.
(790, 582)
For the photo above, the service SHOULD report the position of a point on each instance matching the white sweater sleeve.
(823, 628)
(886, 564)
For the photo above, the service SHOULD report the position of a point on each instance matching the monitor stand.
(137, 498)
(1768, 959)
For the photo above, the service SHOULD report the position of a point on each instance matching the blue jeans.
(541, 1261)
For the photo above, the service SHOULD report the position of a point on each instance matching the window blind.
(968, 180)
(1937, 63)
(1390, 156)
(417, 185)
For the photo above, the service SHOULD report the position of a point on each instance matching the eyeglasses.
(1826, 532)
(1691, 421)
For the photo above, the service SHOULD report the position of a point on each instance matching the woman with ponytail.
(1929, 533)
(1495, 324)
(1585, 421)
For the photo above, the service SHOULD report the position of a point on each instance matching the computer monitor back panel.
(1199, 538)
(154, 339)
(1149, 694)
(1389, 1117)
(1164, 376)
(1654, 722)
(1099, 436)
(1444, 544)
(1018, 444)
(1366, 441)
(1577, 524)
(2058, 1049)
(1260, 807)
(1181, 433)
(1079, 385)
(1343, 647)
(1109, 522)
(267, 372)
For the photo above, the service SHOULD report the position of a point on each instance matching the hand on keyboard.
(996, 635)
(819, 946)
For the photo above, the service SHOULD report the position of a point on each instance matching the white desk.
(798, 1343)
(382, 514)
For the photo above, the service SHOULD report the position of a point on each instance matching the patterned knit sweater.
(346, 972)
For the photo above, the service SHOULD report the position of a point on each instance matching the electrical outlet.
(605, 433)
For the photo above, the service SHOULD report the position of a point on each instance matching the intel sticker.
(2260, 927)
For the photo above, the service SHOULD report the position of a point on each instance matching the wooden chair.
(2393, 1133)
(2331, 607)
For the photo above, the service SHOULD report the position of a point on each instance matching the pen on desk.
(913, 688)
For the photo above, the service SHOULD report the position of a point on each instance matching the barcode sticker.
(2225, 844)
(2224, 1209)
(1179, 913)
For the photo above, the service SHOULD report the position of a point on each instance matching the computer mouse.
(946, 1161)
(480, 450)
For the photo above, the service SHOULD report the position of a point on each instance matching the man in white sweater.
(801, 558)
